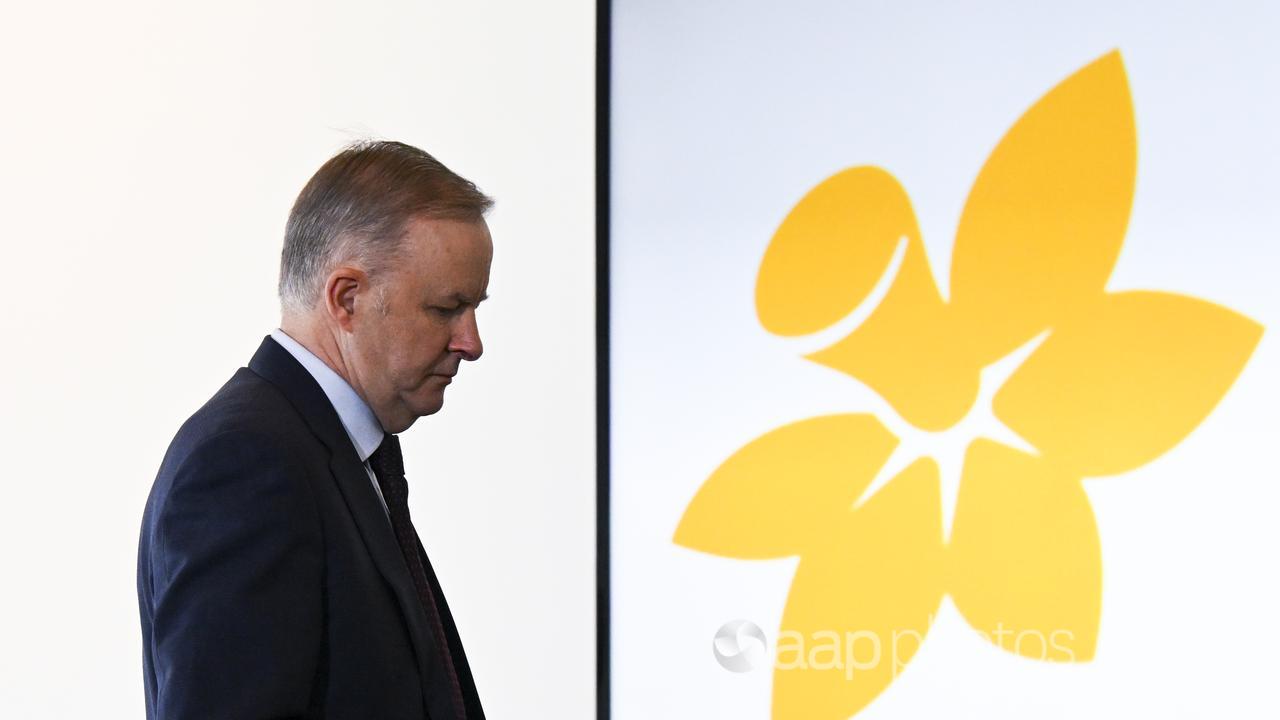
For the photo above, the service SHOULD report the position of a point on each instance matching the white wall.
(151, 152)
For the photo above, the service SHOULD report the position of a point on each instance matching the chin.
(428, 406)
(411, 412)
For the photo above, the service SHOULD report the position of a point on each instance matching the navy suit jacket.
(270, 582)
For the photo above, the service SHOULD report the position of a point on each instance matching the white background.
(149, 154)
(725, 114)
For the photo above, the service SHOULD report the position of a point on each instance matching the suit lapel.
(470, 697)
(379, 538)
(277, 366)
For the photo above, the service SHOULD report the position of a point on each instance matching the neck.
(323, 340)
(322, 343)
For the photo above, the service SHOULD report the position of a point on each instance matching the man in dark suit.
(279, 573)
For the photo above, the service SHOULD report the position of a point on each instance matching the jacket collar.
(354, 413)
(275, 365)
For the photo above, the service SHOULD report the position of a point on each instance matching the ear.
(345, 289)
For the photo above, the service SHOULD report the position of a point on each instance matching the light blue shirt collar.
(361, 424)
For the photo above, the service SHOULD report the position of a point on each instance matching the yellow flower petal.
(1046, 217)
(782, 493)
(860, 605)
(824, 260)
(1126, 379)
(910, 352)
(831, 249)
(829, 253)
(1024, 561)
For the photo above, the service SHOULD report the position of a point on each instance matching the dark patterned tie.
(388, 466)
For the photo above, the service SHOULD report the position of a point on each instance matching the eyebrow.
(464, 299)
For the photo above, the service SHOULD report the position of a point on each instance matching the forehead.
(445, 256)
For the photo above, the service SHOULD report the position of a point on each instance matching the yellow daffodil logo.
(1076, 381)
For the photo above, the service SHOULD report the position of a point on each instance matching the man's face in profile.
(408, 342)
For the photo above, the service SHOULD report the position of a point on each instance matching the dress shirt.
(357, 419)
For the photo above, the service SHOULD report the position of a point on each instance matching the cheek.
(412, 362)
(414, 350)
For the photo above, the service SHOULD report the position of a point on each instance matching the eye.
(447, 310)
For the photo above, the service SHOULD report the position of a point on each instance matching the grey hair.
(356, 207)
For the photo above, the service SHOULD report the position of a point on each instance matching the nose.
(466, 336)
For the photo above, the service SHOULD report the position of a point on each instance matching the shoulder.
(240, 470)
(248, 403)
(247, 410)
(248, 438)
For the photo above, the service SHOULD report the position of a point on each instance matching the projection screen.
(941, 372)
